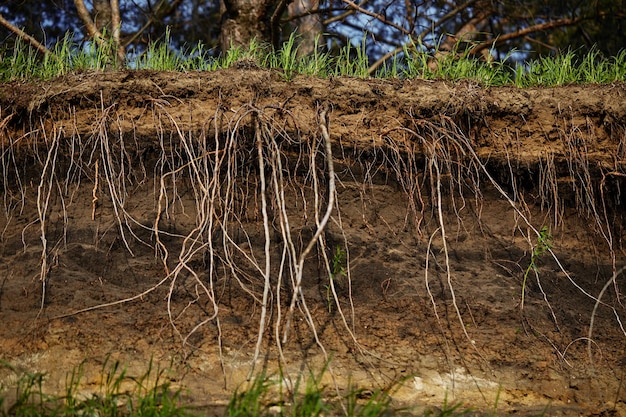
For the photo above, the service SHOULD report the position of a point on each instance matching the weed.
(251, 401)
(543, 245)
(287, 58)
(338, 271)
(160, 57)
(318, 63)
(351, 61)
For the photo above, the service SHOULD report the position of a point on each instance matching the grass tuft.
(120, 395)
(308, 397)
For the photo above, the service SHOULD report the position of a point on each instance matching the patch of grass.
(317, 64)
(150, 395)
(455, 66)
(286, 59)
(309, 397)
(267, 396)
(351, 61)
(569, 68)
(414, 61)
(160, 57)
(119, 395)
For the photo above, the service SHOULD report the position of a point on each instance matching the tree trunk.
(105, 23)
(103, 15)
(309, 26)
(245, 20)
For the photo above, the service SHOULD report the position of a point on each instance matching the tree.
(307, 24)
(244, 20)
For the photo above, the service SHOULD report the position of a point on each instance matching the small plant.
(288, 58)
(318, 63)
(352, 61)
(160, 57)
(338, 262)
(337, 272)
(543, 245)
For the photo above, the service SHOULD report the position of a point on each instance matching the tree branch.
(275, 22)
(447, 17)
(377, 16)
(21, 34)
(523, 32)
(90, 25)
(159, 14)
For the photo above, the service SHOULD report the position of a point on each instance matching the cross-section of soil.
(464, 241)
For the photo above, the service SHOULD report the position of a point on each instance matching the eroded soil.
(441, 190)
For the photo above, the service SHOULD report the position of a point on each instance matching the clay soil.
(114, 244)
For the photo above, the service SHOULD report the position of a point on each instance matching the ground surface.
(441, 190)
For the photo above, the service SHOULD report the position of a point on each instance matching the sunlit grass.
(119, 394)
(568, 68)
(309, 397)
(151, 395)
(414, 62)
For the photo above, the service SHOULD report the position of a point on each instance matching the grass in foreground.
(266, 396)
(121, 395)
(24, 62)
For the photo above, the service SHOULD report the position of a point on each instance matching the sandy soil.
(441, 189)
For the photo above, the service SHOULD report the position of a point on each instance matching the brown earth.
(133, 228)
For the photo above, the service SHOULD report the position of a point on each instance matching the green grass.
(309, 397)
(119, 394)
(151, 395)
(23, 62)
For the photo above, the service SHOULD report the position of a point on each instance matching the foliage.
(337, 272)
(267, 396)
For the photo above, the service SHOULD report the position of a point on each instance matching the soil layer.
(450, 201)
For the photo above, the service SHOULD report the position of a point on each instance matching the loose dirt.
(147, 187)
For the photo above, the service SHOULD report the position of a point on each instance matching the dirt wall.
(463, 239)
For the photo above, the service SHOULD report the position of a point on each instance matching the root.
(44, 192)
(612, 280)
(321, 224)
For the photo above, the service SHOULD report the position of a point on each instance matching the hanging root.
(613, 281)
(44, 192)
(448, 153)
